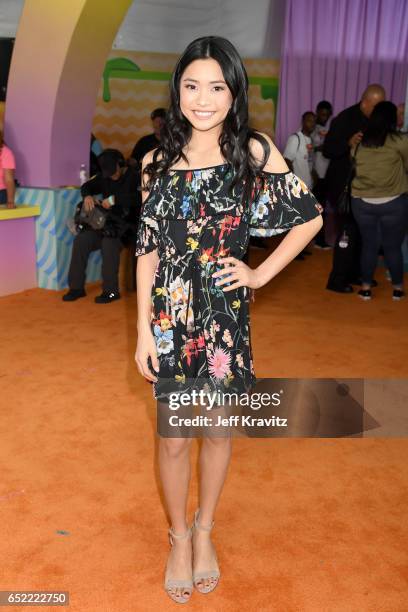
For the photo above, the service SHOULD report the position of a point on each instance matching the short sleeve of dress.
(147, 233)
(284, 201)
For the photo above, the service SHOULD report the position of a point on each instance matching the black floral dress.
(202, 333)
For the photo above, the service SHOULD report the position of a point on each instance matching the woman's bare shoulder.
(275, 162)
(148, 158)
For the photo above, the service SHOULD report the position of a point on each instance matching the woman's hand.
(146, 347)
(237, 271)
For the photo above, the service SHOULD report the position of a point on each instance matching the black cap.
(109, 160)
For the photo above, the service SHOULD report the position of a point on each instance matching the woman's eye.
(190, 86)
(219, 88)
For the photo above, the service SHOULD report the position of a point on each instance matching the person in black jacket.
(119, 186)
(151, 141)
(346, 131)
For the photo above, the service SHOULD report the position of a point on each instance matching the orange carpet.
(313, 525)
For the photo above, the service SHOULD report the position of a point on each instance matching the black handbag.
(344, 201)
(95, 218)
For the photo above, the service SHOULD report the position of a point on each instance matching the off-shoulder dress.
(192, 218)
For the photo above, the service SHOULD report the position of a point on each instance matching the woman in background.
(379, 196)
(7, 168)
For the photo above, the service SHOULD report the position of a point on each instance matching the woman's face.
(205, 98)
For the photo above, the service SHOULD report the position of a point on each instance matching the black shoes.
(398, 294)
(365, 294)
(107, 297)
(104, 298)
(73, 294)
(345, 289)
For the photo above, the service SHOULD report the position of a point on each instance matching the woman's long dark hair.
(236, 133)
(382, 123)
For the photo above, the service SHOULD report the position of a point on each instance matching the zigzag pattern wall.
(122, 120)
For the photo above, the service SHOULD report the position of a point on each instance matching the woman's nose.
(202, 99)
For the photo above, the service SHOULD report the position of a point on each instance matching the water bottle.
(83, 175)
(344, 240)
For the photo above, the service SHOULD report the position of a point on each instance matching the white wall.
(10, 11)
(154, 25)
(254, 26)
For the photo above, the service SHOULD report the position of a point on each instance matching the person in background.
(298, 155)
(151, 141)
(346, 131)
(324, 111)
(400, 117)
(298, 152)
(7, 179)
(380, 196)
(118, 185)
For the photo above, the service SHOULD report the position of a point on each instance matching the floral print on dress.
(193, 219)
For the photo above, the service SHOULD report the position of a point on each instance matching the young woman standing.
(211, 180)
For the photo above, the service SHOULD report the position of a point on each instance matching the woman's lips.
(203, 114)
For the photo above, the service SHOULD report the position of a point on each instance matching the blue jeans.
(384, 224)
(3, 196)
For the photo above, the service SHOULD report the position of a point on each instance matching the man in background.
(345, 133)
(298, 155)
(298, 152)
(116, 184)
(324, 111)
(151, 141)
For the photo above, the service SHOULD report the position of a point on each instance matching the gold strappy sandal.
(170, 583)
(213, 574)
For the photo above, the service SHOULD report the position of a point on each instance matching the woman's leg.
(366, 217)
(175, 470)
(215, 457)
(393, 222)
(174, 465)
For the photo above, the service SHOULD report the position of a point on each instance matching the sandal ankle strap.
(197, 526)
(181, 536)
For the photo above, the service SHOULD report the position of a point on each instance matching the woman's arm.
(146, 267)
(10, 186)
(294, 242)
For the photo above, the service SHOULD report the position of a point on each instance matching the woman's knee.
(218, 441)
(175, 447)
